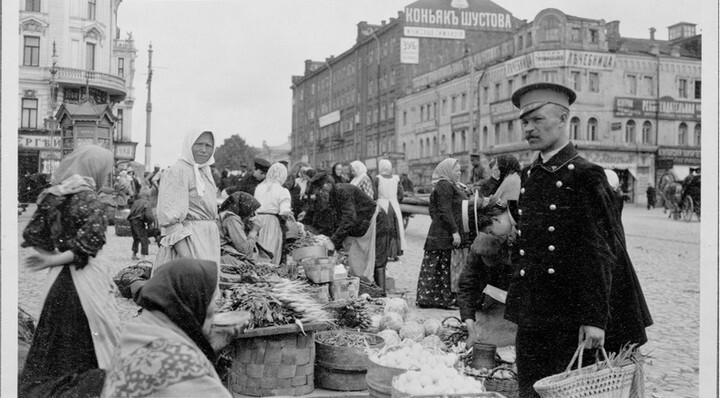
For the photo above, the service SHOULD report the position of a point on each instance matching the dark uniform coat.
(247, 184)
(572, 267)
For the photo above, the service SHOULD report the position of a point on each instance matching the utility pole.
(148, 111)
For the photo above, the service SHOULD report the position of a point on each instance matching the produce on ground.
(413, 331)
(433, 342)
(398, 306)
(391, 320)
(390, 336)
(432, 326)
(436, 382)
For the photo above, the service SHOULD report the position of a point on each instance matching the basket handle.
(579, 355)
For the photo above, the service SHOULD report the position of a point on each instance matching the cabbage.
(390, 336)
(396, 305)
(415, 317)
(432, 342)
(391, 320)
(432, 326)
(413, 331)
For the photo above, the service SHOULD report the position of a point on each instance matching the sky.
(226, 66)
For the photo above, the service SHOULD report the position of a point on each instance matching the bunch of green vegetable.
(266, 308)
(353, 314)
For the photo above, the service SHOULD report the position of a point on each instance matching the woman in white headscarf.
(275, 209)
(187, 204)
(361, 179)
(389, 193)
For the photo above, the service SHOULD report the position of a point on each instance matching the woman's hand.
(472, 334)
(301, 216)
(182, 248)
(221, 336)
(456, 239)
(38, 261)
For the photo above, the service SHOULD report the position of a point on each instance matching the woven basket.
(507, 387)
(319, 270)
(608, 382)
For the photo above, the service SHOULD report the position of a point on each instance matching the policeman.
(573, 281)
(251, 180)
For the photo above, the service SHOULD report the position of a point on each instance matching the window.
(682, 88)
(463, 102)
(29, 113)
(648, 86)
(523, 80)
(683, 134)
(422, 149)
(464, 139)
(510, 88)
(453, 104)
(31, 53)
(422, 113)
(698, 89)
(592, 129)
(434, 110)
(119, 126)
(630, 131)
(427, 147)
(575, 80)
(697, 139)
(404, 118)
(497, 91)
(647, 133)
(511, 131)
(497, 133)
(520, 42)
(575, 128)
(594, 36)
(486, 91)
(485, 137)
(594, 82)
(631, 84)
(549, 76)
(576, 34)
(551, 28)
(452, 142)
(434, 146)
(121, 67)
(528, 42)
(444, 106)
(92, 5)
(32, 5)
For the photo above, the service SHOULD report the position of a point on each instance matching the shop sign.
(615, 126)
(613, 160)
(549, 59)
(409, 50)
(125, 150)
(460, 120)
(679, 155)
(668, 108)
(589, 60)
(557, 59)
(38, 141)
(330, 118)
(54, 155)
(435, 33)
(458, 14)
(503, 111)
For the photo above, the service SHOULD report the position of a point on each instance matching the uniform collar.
(560, 159)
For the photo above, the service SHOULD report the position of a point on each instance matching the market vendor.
(361, 228)
(274, 211)
(238, 231)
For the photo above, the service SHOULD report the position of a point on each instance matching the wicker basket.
(122, 227)
(507, 387)
(590, 381)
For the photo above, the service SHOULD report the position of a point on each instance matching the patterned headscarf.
(187, 156)
(385, 168)
(240, 203)
(183, 289)
(359, 170)
(87, 168)
(444, 171)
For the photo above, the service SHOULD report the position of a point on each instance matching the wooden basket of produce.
(345, 289)
(341, 361)
(319, 270)
(504, 381)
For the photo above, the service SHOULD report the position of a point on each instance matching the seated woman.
(238, 232)
(170, 348)
(486, 276)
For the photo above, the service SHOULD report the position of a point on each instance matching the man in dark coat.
(251, 180)
(573, 280)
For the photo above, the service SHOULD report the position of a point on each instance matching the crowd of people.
(545, 241)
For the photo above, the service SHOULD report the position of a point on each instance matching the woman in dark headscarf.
(337, 174)
(238, 232)
(79, 324)
(170, 348)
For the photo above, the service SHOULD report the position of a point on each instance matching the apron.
(361, 251)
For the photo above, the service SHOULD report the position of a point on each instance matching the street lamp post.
(377, 85)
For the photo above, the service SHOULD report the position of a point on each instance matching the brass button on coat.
(522, 252)
(551, 229)
(522, 272)
(551, 248)
(553, 207)
(571, 167)
(551, 271)
(522, 190)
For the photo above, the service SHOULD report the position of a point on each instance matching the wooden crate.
(275, 361)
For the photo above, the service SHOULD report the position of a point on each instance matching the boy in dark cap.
(251, 180)
(574, 282)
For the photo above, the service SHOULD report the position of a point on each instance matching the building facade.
(343, 108)
(75, 82)
(637, 111)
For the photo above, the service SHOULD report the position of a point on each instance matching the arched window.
(422, 149)
(550, 28)
(443, 145)
(511, 131)
(452, 142)
(405, 149)
(428, 150)
(485, 137)
(497, 134)
(647, 132)
(464, 140)
(592, 129)
(683, 134)
(698, 136)
(434, 147)
(575, 128)
(630, 131)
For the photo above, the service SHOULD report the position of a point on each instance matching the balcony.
(114, 85)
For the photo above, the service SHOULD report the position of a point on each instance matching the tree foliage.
(233, 152)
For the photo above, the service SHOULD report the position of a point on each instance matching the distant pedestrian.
(141, 217)
(650, 193)
(488, 186)
(338, 174)
(361, 178)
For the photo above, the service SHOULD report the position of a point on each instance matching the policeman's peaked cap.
(531, 97)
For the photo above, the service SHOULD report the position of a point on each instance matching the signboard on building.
(679, 155)
(667, 108)
(503, 111)
(409, 50)
(125, 150)
(27, 141)
(460, 121)
(589, 60)
(329, 118)
(474, 15)
(559, 58)
(436, 33)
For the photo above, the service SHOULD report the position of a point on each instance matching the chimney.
(652, 33)
(613, 29)
(382, 23)
(308, 63)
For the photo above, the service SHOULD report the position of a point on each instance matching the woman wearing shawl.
(187, 204)
(389, 194)
(238, 232)
(78, 326)
(274, 211)
(361, 179)
(337, 174)
(170, 348)
(445, 234)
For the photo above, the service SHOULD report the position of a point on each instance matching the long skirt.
(394, 242)
(434, 283)
(271, 236)
(362, 251)
(76, 333)
(204, 243)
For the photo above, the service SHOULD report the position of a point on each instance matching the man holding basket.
(573, 281)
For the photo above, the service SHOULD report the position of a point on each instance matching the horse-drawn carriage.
(681, 199)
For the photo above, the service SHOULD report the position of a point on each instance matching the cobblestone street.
(665, 252)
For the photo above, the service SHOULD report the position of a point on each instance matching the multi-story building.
(637, 111)
(344, 107)
(75, 82)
